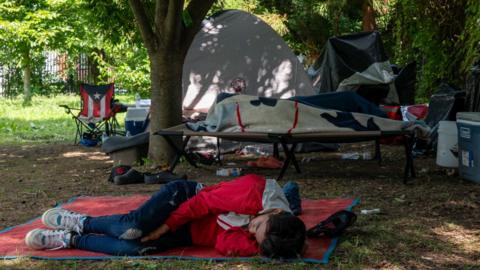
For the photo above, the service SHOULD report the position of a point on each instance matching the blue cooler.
(136, 120)
(468, 124)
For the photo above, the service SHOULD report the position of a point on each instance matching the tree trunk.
(166, 77)
(167, 38)
(27, 79)
(368, 20)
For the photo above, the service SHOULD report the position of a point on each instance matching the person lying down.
(247, 216)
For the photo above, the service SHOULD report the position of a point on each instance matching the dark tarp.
(351, 61)
(342, 101)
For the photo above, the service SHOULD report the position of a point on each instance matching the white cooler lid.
(469, 116)
(136, 114)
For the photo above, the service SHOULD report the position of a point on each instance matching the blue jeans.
(120, 234)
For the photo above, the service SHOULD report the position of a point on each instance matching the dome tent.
(234, 45)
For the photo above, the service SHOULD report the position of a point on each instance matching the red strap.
(239, 119)
(295, 121)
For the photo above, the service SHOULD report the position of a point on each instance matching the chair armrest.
(68, 109)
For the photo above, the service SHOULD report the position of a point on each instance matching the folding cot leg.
(409, 168)
(179, 152)
(294, 158)
(378, 153)
(219, 160)
(410, 150)
(290, 156)
(275, 150)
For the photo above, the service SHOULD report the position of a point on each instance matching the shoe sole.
(45, 220)
(118, 180)
(29, 238)
(153, 179)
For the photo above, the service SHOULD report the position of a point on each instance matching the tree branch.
(197, 9)
(173, 22)
(161, 7)
(146, 31)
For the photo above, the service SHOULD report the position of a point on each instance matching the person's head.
(238, 85)
(279, 234)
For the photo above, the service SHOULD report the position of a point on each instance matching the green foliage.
(128, 66)
(111, 20)
(104, 31)
(306, 24)
(470, 36)
(121, 56)
(442, 36)
(30, 28)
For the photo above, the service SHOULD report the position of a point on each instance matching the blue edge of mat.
(324, 260)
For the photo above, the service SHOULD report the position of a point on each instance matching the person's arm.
(163, 229)
(194, 208)
(236, 242)
(226, 197)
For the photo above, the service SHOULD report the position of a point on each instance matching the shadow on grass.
(390, 242)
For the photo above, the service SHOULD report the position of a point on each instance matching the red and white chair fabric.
(97, 113)
(96, 102)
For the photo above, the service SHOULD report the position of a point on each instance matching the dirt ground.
(431, 223)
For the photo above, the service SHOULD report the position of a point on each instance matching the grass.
(433, 223)
(41, 122)
(149, 265)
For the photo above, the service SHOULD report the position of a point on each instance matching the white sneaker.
(59, 218)
(48, 239)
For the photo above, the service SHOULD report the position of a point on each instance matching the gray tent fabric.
(234, 45)
(353, 60)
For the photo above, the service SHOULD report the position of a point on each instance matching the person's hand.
(154, 235)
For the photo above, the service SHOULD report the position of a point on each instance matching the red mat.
(13, 245)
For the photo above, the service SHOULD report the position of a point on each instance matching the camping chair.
(97, 113)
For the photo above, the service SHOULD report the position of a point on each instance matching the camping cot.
(288, 141)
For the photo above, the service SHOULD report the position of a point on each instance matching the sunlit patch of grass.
(78, 154)
(13, 263)
(466, 239)
(44, 121)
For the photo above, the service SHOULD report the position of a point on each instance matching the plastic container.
(468, 124)
(447, 149)
(356, 155)
(229, 172)
(135, 120)
(370, 211)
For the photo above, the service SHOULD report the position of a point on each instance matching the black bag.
(334, 225)
(118, 170)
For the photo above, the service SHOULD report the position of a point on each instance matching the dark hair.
(284, 237)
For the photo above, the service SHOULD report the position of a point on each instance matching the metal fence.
(10, 81)
(53, 75)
